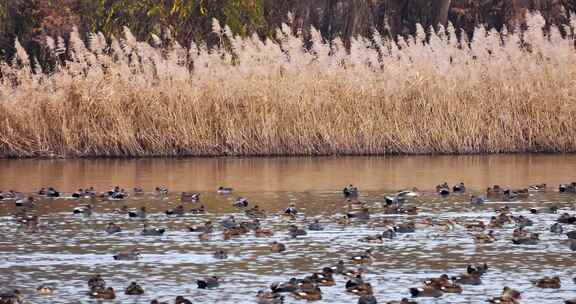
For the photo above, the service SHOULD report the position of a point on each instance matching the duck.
(241, 202)
(189, 197)
(374, 239)
(220, 254)
(155, 301)
(364, 258)
(494, 192)
(548, 282)
(152, 231)
(307, 290)
(277, 247)
(508, 296)
(546, 210)
(161, 191)
(261, 232)
(571, 234)
(294, 231)
(204, 236)
(229, 222)
(78, 194)
(444, 284)
(206, 227)
(178, 211)
(537, 188)
(389, 233)
(182, 300)
(427, 292)
(402, 301)
(460, 188)
(224, 190)
(290, 286)
(566, 218)
(121, 210)
(467, 279)
(84, 210)
(522, 221)
(556, 228)
(408, 227)
(291, 210)
(138, 191)
(478, 269)
(475, 226)
(361, 214)
(209, 282)
(14, 297)
(529, 239)
(567, 188)
(51, 192)
(255, 212)
(96, 282)
(350, 191)
(140, 213)
(112, 228)
(200, 210)
(250, 225)
(269, 297)
(443, 189)
(324, 278)
(367, 299)
(45, 289)
(134, 289)
(485, 238)
(104, 294)
(358, 286)
(477, 200)
(27, 202)
(131, 255)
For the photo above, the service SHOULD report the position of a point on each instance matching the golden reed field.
(122, 97)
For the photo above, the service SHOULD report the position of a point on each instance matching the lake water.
(69, 248)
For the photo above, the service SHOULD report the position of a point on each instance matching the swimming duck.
(547, 210)
(14, 297)
(522, 221)
(206, 227)
(494, 192)
(324, 278)
(112, 228)
(528, 239)
(27, 202)
(224, 190)
(443, 189)
(131, 255)
(261, 232)
(96, 282)
(220, 254)
(200, 210)
(182, 300)
(483, 238)
(290, 286)
(268, 297)
(537, 188)
(152, 231)
(427, 292)
(104, 294)
(45, 290)
(567, 188)
(361, 214)
(460, 188)
(78, 194)
(548, 282)
(294, 231)
(367, 299)
(477, 200)
(161, 191)
(571, 235)
(84, 210)
(229, 222)
(204, 236)
(241, 202)
(556, 228)
(444, 284)
(121, 210)
(178, 211)
(475, 226)
(357, 286)
(138, 191)
(403, 301)
(408, 227)
(134, 289)
(307, 290)
(389, 233)
(374, 239)
(350, 191)
(277, 247)
(467, 279)
(51, 192)
(189, 197)
(566, 218)
(140, 213)
(478, 269)
(210, 282)
(508, 296)
(155, 301)
(291, 210)
(365, 258)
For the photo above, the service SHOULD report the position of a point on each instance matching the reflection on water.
(69, 248)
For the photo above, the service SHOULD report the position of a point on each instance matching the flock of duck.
(350, 269)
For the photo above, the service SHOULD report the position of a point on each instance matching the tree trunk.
(440, 10)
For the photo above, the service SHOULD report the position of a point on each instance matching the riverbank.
(131, 99)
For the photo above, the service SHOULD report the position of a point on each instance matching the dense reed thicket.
(497, 93)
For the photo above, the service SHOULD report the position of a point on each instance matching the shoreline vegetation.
(430, 93)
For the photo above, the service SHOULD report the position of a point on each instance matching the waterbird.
(269, 297)
(364, 258)
(130, 255)
(537, 188)
(290, 286)
(112, 228)
(182, 300)
(294, 231)
(477, 200)
(45, 289)
(350, 191)
(104, 294)
(96, 282)
(189, 197)
(220, 254)
(428, 292)
(224, 190)
(178, 211)
(140, 213)
(277, 247)
(324, 278)
(152, 231)
(556, 228)
(134, 289)
(548, 282)
(460, 188)
(308, 290)
(367, 299)
(291, 210)
(209, 282)
(83, 209)
(13, 297)
(402, 301)
(443, 189)
(508, 296)
(241, 202)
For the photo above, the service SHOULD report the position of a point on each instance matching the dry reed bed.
(129, 98)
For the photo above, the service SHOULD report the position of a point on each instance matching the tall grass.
(498, 93)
